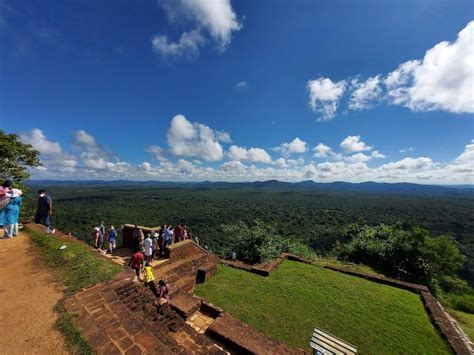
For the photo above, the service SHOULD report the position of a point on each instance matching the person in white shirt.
(148, 245)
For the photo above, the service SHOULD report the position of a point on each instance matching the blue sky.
(322, 90)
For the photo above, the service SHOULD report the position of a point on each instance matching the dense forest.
(314, 217)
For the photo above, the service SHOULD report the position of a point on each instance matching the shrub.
(261, 242)
(412, 254)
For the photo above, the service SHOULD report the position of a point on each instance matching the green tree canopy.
(16, 157)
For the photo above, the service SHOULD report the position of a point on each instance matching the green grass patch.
(77, 266)
(297, 297)
(75, 341)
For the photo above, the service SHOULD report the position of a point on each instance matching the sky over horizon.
(220, 90)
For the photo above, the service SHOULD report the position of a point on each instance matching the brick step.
(184, 303)
(172, 265)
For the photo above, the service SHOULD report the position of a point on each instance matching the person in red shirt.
(136, 263)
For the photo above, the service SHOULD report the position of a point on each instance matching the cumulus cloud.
(442, 80)
(215, 20)
(409, 164)
(187, 45)
(322, 151)
(38, 140)
(195, 140)
(254, 155)
(296, 146)
(352, 144)
(364, 94)
(157, 152)
(358, 158)
(324, 95)
(52, 156)
(376, 154)
(467, 157)
(90, 161)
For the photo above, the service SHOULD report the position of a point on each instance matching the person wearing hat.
(11, 213)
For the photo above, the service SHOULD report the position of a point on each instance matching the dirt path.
(27, 298)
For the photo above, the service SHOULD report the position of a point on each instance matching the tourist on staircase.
(136, 263)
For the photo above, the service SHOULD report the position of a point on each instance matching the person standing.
(44, 211)
(11, 213)
(148, 245)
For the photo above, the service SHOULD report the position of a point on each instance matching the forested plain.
(317, 218)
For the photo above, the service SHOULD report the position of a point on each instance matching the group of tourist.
(142, 267)
(98, 236)
(154, 242)
(10, 207)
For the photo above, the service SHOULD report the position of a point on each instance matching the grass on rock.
(297, 297)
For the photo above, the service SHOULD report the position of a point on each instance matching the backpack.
(5, 200)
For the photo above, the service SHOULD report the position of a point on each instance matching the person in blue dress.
(11, 214)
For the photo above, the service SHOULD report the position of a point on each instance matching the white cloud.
(39, 142)
(406, 150)
(376, 154)
(195, 140)
(324, 95)
(85, 138)
(364, 94)
(358, 158)
(352, 144)
(241, 85)
(296, 146)
(187, 45)
(442, 80)
(90, 162)
(255, 155)
(322, 151)
(409, 164)
(157, 152)
(213, 19)
(467, 157)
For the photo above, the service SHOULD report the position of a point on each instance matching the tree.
(16, 157)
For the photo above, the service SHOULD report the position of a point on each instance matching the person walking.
(149, 280)
(11, 213)
(112, 239)
(44, 211)
(136, 263)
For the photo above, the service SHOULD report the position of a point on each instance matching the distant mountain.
(308, 185)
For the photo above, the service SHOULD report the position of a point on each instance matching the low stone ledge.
(243, 339)
(455, 337)
(381, 279)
